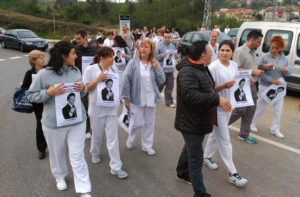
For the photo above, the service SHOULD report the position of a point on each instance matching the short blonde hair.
(34, 55)
(152, 46)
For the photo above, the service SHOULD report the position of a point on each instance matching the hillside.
(11, 20)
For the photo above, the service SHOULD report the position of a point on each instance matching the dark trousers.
(246, 113)
(40, 139)
(169, 84)
(85, 102)
(190, 163)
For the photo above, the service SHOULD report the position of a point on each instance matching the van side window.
(298, 46)
(187, 37)
(286, 35)
(244, 35)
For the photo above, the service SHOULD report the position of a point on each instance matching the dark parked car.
(2, 31)
(233, 33)
(22, 39)
(190, 37)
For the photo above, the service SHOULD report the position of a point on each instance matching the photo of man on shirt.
(107, 93)
(69, 110)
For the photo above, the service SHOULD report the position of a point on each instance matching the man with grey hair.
(128, 37)
(213, 45)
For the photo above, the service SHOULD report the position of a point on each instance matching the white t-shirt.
(94, 110)
(108, 43)
(157, 40)
(222, 74)
(215, 53)
(226, 30)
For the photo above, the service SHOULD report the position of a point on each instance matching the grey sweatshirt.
(160, 50)
(43, 80)
(269, 74)
(132, 82)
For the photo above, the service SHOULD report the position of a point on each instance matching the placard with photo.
(169, 60)
(86, 61)
(240, 92)
(126, 120)
(274, 92)
(68, 106)
(108, 91)
(118, 59)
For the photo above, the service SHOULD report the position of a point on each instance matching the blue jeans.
(190, 163)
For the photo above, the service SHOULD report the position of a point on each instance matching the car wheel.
(22, 48)
(3, 45)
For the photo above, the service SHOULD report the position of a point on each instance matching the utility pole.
(207, 15)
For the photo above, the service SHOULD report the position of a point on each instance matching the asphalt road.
(272, 166)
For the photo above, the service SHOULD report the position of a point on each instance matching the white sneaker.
(88, 136)
(61, 184)
(96, 159)
(85, 195)
(237, 180)
(172, 106)
(253, 128)
(129, 145)
(277, 134)
(210, 163)
(120, 173)
(150, 151)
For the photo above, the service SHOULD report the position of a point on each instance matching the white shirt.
(108, 43)
(94, 110)
(222, 74)
(226, 30)
(147, 90)
(215, 53)
(157, 40)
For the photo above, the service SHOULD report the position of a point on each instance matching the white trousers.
(144, 120)
(219, 139)
(57, 141)
(261, 107)
(109, 125)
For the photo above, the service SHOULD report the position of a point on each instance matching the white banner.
(126, 120)
(274, 92)
(68, 106)
(240, 92)
(108, 91)
(85, 62)
(169, 60)
(118, 59)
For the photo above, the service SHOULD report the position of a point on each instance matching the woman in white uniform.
(223, 71)
(60, 70)
(103, 118)
(276, 67)
(140, 92)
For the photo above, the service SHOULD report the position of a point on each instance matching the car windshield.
(26, 34)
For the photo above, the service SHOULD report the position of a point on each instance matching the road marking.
(279, 145)
(2, 60)
(16, 57)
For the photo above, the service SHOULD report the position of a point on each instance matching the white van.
(290, 32)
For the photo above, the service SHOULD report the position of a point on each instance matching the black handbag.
(21, 103)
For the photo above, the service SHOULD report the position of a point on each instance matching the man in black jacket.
(83, 48)
(196, 101)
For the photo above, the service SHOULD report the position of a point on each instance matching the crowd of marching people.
(140, 64)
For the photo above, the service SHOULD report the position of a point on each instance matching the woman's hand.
(78, 86)
(102, 76)
(123, 55)
(269, 66)
(229, 84)
(284, 69)
(56, 90)
(127, 105)
(155, 64)
(276, 82)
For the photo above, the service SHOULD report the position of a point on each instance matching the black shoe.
(205, 195)
(41, 155)
(185, 179)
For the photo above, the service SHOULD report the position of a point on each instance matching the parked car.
(290, 32)
(190, 37)
(22, 39)
(2, 31)
(233, 33)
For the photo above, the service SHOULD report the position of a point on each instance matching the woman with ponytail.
(103, 118)
(61, 70)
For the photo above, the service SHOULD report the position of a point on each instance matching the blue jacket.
(132, 82)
